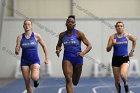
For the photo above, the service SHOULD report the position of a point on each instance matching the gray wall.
(2, 4)
(62, 8)
(97, 31)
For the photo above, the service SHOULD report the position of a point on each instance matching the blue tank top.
(29, 48)
(121, 49)
(71, 43)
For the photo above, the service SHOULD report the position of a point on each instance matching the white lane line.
(134, 86)
(25, 91)
(131, 91)
(94, 89)
(84, 85)
(61, 89)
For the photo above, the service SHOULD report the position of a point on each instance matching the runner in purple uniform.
(120, 59)
(73, 55)
(30, 62)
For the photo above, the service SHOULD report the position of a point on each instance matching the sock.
(36, 83)
(126, 88)
(119, 88)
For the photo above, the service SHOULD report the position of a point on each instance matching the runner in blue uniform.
(120, 59)
(73, 55)
(30, 61)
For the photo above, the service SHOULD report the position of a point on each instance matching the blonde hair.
(27, 20)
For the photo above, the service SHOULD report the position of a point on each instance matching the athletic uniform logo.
(69, 42)
(28, 44)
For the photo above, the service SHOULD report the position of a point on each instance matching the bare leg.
(116, 72)
(35, 74)
(26, 75)
(68, 71)
(124, 72)
(77, 69)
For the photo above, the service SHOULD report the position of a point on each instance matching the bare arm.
(17, 48)
(133, 39)
(110, 43)
(42, 43)
(86, 42)
(59, 44)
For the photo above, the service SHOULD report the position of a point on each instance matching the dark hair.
(71, 16)
(118, 23)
